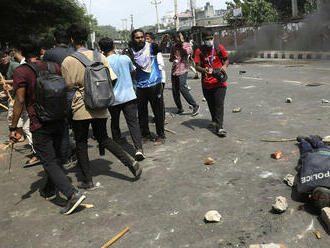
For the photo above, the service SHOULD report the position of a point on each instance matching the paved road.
(165, 208)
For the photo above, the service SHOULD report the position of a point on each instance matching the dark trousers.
(81, 128)
(154, 95)
(47, 144)
(215, 100)
(179, 85)
(130, 112)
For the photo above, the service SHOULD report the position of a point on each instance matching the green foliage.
(285, 9)
(254, 13)
(21, 18)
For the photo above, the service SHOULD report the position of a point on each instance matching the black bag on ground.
(313, 171)
(98, 89)
(51, 99)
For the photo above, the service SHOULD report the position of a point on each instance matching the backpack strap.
(96, 56)
(51, 67)
(82, 58)
(218, 51)
(34, 68)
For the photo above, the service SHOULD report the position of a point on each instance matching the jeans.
(130, 112)
(154, 95)
(215, 100)
(81, 128)
(47, 143)
(179, 85)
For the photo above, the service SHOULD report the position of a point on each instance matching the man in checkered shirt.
(180, 52)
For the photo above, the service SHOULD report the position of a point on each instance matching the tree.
(285, 9)
(21, 18)
(254, 13)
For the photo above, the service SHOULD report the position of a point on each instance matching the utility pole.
(92, 33)
(192, 8)
(132, 27)
(156, 2)
(294, 8)
(176, 18)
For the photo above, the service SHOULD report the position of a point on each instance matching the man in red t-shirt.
(46, 136)
(208, 58)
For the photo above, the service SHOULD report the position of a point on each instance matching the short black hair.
(61, 35)
(78, 33)
(206, 33)
(134, 32)
(151, 35)
(106, 44)
(30, 47)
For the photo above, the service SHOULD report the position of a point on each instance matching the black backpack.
(98, 87)
(51, 98)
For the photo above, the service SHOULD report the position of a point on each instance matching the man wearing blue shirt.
(125, 98)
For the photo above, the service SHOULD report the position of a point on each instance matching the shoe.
(139, 156)
(136, 170)
(47, 194)
(195, 111)
(316, 137)
(148, 137)
(70, 163)
(179, 112)
(86, 185)
(73, 203)
(321, 197)
(31, 162)
(159, 141)
(222, 132)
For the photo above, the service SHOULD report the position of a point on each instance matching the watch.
(12, 129)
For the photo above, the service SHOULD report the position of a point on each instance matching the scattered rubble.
(325, 216)
(241, 72)
(203, 100)
(272, 245)
(289, 180)
(237, 110)
(317, 234)
(212, 216)
(209, 161)
(325, 101)
(277, 155)
(280, 204)
(288, 100)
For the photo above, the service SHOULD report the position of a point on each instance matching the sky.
(111, 12)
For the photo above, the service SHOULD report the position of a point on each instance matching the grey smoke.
(313, 34)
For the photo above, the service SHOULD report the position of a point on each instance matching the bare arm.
(18, 106)
(200, 69)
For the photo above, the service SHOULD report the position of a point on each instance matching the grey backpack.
(98, 89)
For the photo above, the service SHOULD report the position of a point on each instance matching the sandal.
(321, 197)
(31, 162)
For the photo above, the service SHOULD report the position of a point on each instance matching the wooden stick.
(4, 84)
(169, 130)
(5, 107)
(279, 140)
(118, 236)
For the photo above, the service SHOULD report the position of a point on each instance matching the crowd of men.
(41, 112)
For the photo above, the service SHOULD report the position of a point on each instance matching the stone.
(289, 180)
(212, 216)
(271, 245)
(280, 204)
(209, 161)
(325, 216)
(288, 100)
(237, 110)
(325, 101)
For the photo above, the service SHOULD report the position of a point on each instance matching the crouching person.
(45, 103)
(84, 115)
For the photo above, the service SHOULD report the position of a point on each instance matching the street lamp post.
(155, 2)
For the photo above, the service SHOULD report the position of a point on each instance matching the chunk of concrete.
(325, 216)
(272, 245)
(212, 216)
(289, 180)
(280, 204)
